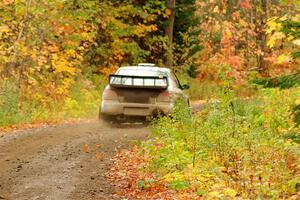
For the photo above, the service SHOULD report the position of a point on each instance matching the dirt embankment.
(62, 162)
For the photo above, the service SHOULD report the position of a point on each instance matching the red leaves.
(244, 4)
(128, 168)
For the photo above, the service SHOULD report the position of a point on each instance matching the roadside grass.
(82, 101)
(205, 89)
(237, 148)
(202, 90)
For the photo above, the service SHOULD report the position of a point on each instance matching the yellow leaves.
(20, 9)
(4, 29)
(215, 28)
(153, 27)
(62, 65)
(284, 59)
(71, 52)
(59, 5)
(277, 36)
(228, 33)
(216, 9)
(85, 36)
(60, 91)
(68, 82)
(141, 30)
(32, 81)
(24, 49)
(243, 23)
(214, 195)
(168, 12)
(283, 18)
(290, 38)
(283, 35)
(34, 54)
(173, 176)
(230, 192)
(273, 25)
(51, 46)
(274, 30)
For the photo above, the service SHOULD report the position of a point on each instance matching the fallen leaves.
(99, 156)
(86, 148)
(39, 124)
(132, 179)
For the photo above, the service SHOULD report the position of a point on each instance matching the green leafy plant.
(234, 147)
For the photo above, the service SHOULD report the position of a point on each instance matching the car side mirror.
(185, 87)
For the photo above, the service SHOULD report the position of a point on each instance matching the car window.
(136, 81)
(175, 80)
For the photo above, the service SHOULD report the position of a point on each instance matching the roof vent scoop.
(146, 65)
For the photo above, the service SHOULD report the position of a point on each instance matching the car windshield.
(141, 72)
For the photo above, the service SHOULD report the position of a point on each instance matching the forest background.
(55, 55)
(240, 56)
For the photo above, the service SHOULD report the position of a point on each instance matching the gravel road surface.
(62, 162)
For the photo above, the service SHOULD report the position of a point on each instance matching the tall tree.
(186, 36)
(170, 31)
(129, 32)
(262, 11)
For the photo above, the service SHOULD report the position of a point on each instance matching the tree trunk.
(21, 62)
(262, 38)
(169, 33)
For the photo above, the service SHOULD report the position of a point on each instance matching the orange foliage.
(108, 70)
(225, 62)
(245, 4)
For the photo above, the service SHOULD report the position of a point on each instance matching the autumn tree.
(235, 37)
(181, 30)
(129, 32)
(186, 36)
(170, 31)
(43, 46)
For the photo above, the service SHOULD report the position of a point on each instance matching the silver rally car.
(143, 90)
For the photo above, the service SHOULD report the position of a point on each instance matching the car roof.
(158, 69)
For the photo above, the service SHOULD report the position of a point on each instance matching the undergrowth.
(82, 101)
(236, 148)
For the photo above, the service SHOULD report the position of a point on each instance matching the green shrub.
(8, 103)
(282, 82)
(235, 148)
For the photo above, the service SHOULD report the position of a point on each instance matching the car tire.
(107, 119)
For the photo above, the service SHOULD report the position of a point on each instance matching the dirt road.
(62, 162)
